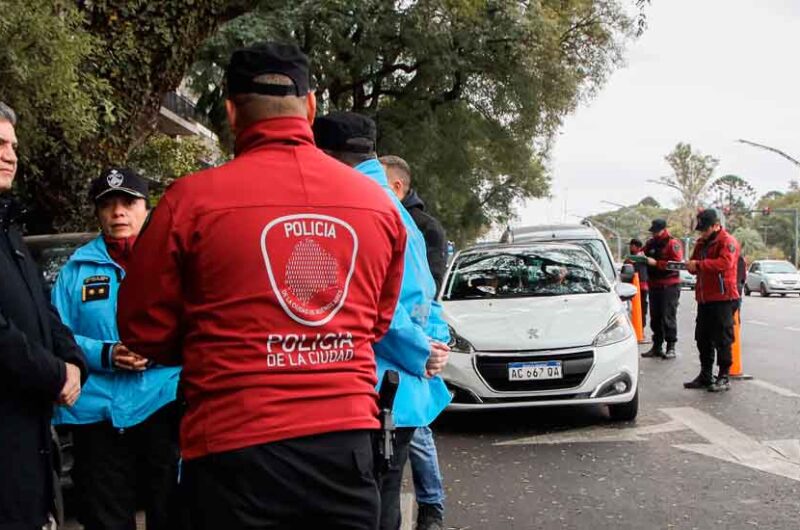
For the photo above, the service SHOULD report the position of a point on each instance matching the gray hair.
(7, 114)
(394, 161)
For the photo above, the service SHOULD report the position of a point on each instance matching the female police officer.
(125, 422)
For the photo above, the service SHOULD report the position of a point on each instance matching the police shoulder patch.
(94, 292)
(676, 247)
(731, 247)
(97, 279)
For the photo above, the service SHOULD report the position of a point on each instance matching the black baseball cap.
(267, 58)
(118, 180)
(657, 226)
(346, 132)
(706, 219)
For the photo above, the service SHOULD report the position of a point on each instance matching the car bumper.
(789, 289)
(477, 380)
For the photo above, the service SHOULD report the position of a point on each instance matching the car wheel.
(747, 291)
(625, 411)
(764, 291)
(783, 295)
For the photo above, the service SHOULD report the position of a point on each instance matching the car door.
(754, 277)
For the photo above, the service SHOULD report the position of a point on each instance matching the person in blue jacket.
(125, 423)
(416, 343)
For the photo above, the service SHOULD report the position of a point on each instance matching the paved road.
(693, 460)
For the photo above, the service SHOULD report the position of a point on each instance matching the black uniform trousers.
(644, 297)
(392, 480)
(714, 335)
(114, 468)
(322, 481)
(664, 314)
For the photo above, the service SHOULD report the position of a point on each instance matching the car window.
(597, 250)
(523, 273)
(51, 257)
(754, 268)
(781, 267)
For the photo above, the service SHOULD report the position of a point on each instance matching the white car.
(772, 277)
(538, 324)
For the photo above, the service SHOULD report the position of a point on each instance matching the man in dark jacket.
(665, 290)
(715, 263)
(40, 364)
(399, 174)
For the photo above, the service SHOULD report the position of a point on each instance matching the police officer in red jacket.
(665, 290)
(715, 262)
(272, 276)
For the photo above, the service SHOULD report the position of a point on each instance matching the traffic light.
(766, 210)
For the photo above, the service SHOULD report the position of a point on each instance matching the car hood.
(532, 323)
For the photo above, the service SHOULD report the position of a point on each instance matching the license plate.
(535, 371)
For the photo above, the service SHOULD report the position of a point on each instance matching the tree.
(735, 196)
(632, 221)
(88, 78)
(691, 174)
(162, 159)
(471, 93)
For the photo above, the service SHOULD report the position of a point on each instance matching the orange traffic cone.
(736, 349)
(636, 309)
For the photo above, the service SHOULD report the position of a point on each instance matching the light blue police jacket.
(125, 398)
(406, 347)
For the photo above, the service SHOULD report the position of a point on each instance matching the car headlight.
(617, 330)
(458, 343)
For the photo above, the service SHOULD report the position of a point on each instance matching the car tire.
(783, 295)
(764, 291)
(625, 411)
(747, 291)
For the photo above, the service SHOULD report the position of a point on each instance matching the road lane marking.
(599, 434)
(790, 328)
(730, 445)
(406, 511)
(756, 323)
(774, 388)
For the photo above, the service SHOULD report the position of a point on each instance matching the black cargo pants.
(664, 314)
(714, 335)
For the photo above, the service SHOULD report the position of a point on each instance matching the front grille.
(494, 370)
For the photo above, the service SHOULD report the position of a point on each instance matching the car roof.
(505, 247)
(553, 232)
(772, 261)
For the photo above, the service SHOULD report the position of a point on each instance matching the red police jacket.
(268, 279)
(717, 260)
(663, 249)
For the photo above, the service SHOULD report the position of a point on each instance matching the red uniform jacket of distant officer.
(268, 278)
(717, 258)
(663, 249)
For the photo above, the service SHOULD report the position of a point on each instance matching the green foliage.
(87, 79)
(753, 246)
(736, 196)
(162, 159)
(778, 226)
(470, 93)
(633, 221)
(60, 105)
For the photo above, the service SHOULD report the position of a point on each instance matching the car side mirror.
(626, 273)
(626, 291)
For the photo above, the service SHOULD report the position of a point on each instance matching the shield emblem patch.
(310, 260)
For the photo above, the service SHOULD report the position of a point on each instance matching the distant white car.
(688, 280)
(538, 324)
(772, 277)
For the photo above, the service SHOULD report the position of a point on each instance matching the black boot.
(670, 353)
(429, 517)
(721, 384)
(655, 351)
(704, 380)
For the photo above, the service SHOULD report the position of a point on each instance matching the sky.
(706, 72)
